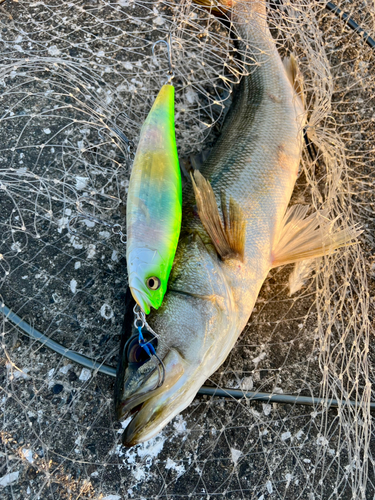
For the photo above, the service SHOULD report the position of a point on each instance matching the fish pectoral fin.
(228, 238)
(309, 237)
(294, 76)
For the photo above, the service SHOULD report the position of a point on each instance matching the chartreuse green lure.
(154, 205)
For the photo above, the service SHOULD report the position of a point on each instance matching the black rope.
(351, 23)
(267, 397)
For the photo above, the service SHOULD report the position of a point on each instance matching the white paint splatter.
(322, 441)
(235, 455)
(285, 435)
(266, 408)
(139, 459)
(171, 464)
(180, 424)
(260, 358)
(53, 50)
(128, 65)
(16, 247)
(64, 369)
(247, 384)
(191, 96)
(299, 435)
(111, 497)
(61, 224)
(77, 265)
(51, 372)
(22, 373)
(151, 448)
(139, 473)
(288, 478)
(114, 256)
(9, 478)
(159, 21)
(106, 311)
(47, 130)
(73, 285)
(81, 182)
(269, 487)
(75, 242)
(91, 251)
(85, 374)
(28, 455)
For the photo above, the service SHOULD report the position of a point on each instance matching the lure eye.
(153, 283)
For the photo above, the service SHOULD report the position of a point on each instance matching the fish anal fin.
(294, 76)
(309, 237)
(227, 236)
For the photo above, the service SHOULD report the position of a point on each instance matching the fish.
(154, 205)
(236, 227)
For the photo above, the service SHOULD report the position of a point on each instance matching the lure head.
(148, 277)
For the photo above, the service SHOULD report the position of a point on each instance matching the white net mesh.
(71, 72)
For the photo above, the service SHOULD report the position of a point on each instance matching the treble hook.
(168, 44)
(139, 323)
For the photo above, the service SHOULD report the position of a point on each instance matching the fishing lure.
(154, 204)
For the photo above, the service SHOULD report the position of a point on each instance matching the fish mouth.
(152, 406)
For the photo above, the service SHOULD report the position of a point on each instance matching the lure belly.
(154, 205)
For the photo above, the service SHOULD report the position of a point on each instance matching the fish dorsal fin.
(309, 237)
(228, 237)
(294, 76)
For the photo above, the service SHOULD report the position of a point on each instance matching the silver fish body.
(209, 300)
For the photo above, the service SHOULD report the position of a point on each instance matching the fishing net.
(72, 76)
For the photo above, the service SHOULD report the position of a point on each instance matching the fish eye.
(135, 352)
(153, 283)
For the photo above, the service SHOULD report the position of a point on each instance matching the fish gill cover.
(70, 73)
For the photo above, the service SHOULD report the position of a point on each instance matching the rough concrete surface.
(67, 71)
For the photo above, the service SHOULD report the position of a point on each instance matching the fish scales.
(265, 118)
(209, 299)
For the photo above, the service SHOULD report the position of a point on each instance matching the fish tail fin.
(228, 238)
(294, 76)
(310, 237)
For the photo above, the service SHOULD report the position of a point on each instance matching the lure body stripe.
(154, 203)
